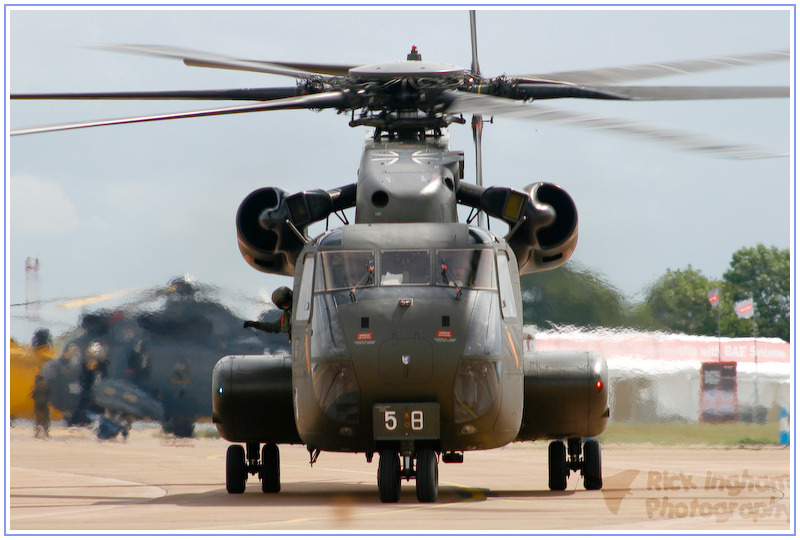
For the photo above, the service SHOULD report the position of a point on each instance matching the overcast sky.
(128, 207)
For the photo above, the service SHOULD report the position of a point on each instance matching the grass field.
(732, 434)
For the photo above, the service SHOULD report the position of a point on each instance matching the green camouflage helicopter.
(407, 324)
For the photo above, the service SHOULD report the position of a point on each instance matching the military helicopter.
(159, 348)
(406, 325)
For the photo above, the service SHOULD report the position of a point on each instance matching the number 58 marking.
(417, 420)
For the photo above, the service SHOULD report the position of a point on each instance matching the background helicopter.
(161, 346)
(468, 89)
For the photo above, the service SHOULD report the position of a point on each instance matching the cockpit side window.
(508, 303)
(465, 268)
(405, 267)
(344, 270)
(304, 297)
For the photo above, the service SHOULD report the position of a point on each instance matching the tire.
(427, 476)
(235, 469)
(557, 466)
(389, 476)
(592, 465)
(270, 469)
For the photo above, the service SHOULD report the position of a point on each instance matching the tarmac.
(151, 484)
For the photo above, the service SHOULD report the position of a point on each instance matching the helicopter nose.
(405, 361)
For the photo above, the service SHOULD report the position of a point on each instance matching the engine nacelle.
(271, 225)
(252, 399)
(266, 240)
(542, 220)
(550, 245)
(566, 395)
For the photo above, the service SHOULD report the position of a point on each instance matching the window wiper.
(365, 280)
(446, 275)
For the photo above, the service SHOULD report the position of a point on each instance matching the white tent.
(658, 377)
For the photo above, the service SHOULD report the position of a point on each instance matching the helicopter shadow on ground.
(60, 500)
(331, 493)
(313, 494)
(310, 494)
(528, 494)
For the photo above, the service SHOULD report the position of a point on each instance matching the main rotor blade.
(463, 102)
(202, 59)
(640, 72)
(646, 93)
(244, 94)
(312, 101)
(338, 70)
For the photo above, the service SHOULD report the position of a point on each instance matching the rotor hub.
(406, 69)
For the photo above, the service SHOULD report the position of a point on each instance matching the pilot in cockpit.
(405, 267)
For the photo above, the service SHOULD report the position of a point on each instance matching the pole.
(719, 330)
(755, 354)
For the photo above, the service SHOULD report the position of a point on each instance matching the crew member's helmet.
(282, 297)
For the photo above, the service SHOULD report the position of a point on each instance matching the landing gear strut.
(390, 473)
(238, 467)
(559, 466)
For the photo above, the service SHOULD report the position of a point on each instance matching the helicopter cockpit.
(372, 305)
(357, 269)
(374, 288)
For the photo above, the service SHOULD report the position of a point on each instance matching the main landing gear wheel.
(557, 466)
(389, 476)
(270, 469)
(235, 469)
(427, 476)
(592, 468)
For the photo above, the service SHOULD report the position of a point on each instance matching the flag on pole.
(744, 308)
(713, 297)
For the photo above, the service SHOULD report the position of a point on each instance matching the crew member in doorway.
(282, 298)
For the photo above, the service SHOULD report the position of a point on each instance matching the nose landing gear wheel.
(557, 466)
(427, 476)
(389, 476)
(235, 469)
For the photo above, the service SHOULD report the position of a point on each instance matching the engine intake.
(271, 225)
(266, 241)
(542, 220)
(551, 244)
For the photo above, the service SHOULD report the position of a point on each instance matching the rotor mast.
(477, 119)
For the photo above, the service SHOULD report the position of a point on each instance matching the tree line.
(676, 302)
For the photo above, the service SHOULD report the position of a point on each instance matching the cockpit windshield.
(345, 270)
(465, 268)
(405, 267)
(468, 268)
